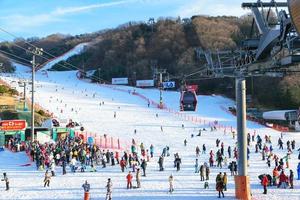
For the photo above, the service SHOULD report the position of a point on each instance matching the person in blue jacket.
(298, 170)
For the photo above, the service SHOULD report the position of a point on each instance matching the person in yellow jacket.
(225, 180)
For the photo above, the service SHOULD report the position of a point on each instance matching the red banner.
(12, 125)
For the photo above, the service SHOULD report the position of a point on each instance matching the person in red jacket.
(123, 164)
(283, 179)
(117, 157)
(265, 183)
(129, 180)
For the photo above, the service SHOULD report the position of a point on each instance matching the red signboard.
(12, 125)
(192, 87)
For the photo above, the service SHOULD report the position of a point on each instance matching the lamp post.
(35, 52)
(99, 74)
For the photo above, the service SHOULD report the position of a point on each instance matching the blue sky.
(29, 18)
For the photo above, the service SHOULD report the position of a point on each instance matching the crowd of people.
(82, 157)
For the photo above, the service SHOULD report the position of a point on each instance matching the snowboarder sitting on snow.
(5, 179)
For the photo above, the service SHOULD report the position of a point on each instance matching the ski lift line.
(15, 57)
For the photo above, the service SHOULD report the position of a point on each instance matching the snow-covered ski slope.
(58, 91)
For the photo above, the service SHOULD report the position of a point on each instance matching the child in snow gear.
(108, 189)
(206, 185)
(129, 180)
(171, 179)
(5, 179)
(47, 179)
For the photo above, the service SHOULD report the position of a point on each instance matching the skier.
(47, 179)
(108, 189)
(138, 178)
(171, 180)
(265, 183)
(129, 180)
(5, 179)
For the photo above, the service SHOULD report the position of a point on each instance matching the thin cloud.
(71, 10)
(18, 22)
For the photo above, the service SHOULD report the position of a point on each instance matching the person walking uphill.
(220, 185)
(5, 179)
(129, 180)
